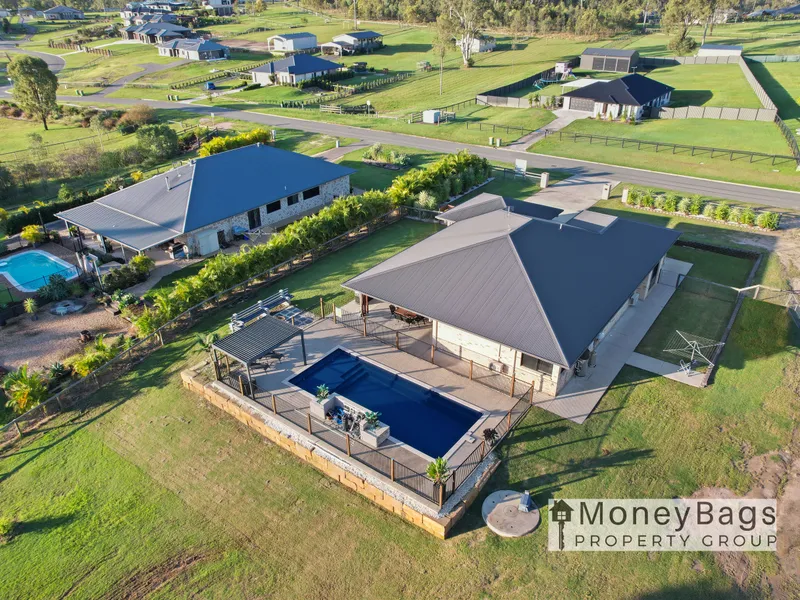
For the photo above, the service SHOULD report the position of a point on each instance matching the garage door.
(586, 104)
(208, 242)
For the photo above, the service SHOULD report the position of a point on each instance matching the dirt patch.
(785, 244)
(52, 338)
(143, 583)
(246, 44)
(225, 125)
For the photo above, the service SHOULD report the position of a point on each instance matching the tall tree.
(442, 42)
(469, 18)
(35, 86)
(678, 17)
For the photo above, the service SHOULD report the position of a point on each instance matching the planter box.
(318, 410)
(376, 436)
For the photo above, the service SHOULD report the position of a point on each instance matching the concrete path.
(573, 194)
(680, 183)
(335, 154)
(147, 69)
(665, 369)
(563, 118)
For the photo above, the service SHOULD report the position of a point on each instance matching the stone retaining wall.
(323, 460)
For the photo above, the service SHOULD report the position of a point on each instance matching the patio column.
(303, 346)
(250, 381)
(216, 364)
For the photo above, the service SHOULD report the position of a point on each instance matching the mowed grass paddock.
(707, 85)
(152, 491)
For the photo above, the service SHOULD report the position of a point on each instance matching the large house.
(155, 33)
(193, 49)
(222, 8)
(609, 59)
(293, 69)
(292, 42)
(521, 293)
(63, 13)
(627, 97)
(355, 42)
(201, 203)
(130, 17)
(481, 43)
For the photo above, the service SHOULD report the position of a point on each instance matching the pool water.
(417, 416)
(30, 270)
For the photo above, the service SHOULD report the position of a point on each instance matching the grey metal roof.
(293, 36)
(486, 202)
(205, 191)
(610, 52)
(360, 35)
(257, 339)
(198, 45)
(298, 64)
(539, 286)
(721, 47)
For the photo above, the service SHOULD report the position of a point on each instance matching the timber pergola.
(254, 342)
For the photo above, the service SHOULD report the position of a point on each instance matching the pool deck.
(323, 336)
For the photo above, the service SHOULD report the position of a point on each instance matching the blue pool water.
(417, 416)
(28, 271)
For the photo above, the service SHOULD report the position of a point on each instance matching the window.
(293, 199)
(253, 218)
(536, 364)
(311, 193)
(273, 206)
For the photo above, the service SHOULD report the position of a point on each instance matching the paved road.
(681, 183)
(56, 63)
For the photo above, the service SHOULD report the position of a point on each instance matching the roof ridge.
(188, 198)
(539, 304)
(429, 258)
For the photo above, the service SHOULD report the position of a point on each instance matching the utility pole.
(355, 15)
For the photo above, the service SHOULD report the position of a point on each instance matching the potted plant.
(490, 436)
(374, 433)
(372, 419)
(322, 403)
(438, 470)
(31, 307)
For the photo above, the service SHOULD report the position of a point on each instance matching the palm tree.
(206, 341)
(25, 390)
(438, 470)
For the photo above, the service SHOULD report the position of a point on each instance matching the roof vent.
(166, 180)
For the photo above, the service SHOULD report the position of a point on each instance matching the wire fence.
(645, 145)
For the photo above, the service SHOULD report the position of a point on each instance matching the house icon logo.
(561, 513)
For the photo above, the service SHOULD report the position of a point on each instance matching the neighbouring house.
(520, 294)
(155, 33)
(130, 17)
(158, 6)
(481, 43)
(29, 12)
(222, 8)
(719, 50)
(631, 96)
(292, 42)
(486, 202)
(293, 69)
(355, 42)
(609, 59)
(4, 13)
(201, 203)
(193, 49)
(63, 13)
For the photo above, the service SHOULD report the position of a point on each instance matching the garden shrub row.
(224, 271)
(222, 144)
(698, 207)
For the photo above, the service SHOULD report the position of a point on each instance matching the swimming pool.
(30, 270)
(420, 417)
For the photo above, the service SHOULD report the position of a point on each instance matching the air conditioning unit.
(498, 367)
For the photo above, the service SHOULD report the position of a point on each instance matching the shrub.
(684, 206)
(670, 202)
(33, 234)
(56, 289)
(768, 220)
(709, 211)
(122, 278)
(157, 142)
(137, 176)
(374, 152)
(138, 115)
(748, 217)
(647, 199)
(6, 529)
(696, 205)
(735, 215)
(456, 185)
(722, 212)
(222, 144)
(142, 264)
(659, 202)
(76, 289)
(427, 201)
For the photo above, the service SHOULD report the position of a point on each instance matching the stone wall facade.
(323, 460)
(328, 192)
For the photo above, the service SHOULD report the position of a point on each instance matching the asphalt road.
(680, 183)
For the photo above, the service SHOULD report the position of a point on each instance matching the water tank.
(431, 116)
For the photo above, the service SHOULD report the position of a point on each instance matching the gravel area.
(52, 338)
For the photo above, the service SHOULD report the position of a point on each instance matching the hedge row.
(222, 144)
(224, 271)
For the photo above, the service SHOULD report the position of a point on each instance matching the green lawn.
(370, 177)
(707, 85)
(782, 82)
(736, 135)
(154, 491)
(126, 60)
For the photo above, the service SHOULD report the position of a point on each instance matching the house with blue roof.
(203, 203)
(521, 288)
(198, 49)
(293, 69)
(301, 41)
(355, 42)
